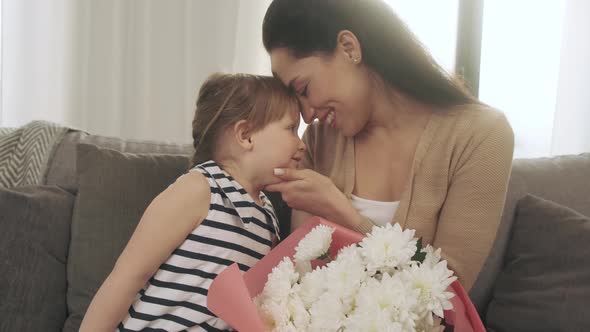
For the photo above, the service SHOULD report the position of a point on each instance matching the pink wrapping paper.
(230, 295)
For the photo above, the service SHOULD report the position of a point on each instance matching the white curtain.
(571, 127)
(127, 68)
(535, 67)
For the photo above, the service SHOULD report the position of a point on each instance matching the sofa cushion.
(545, 282)
(561, 179)
(114, 190)
(33, 249)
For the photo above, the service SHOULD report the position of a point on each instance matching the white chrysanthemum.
(432, 256)
(390, 295)
(327, 314)
(432, 281)
(345, 275)
(290, 327)
(315, 244)
(312, 286)
(373, 321)
(388, 247)
(299, 315)
(280, 281)
(274, 314)
(430, 324)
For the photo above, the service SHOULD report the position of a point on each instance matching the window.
(519, 73)
(434, 23)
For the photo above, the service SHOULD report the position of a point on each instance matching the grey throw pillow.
(34, 237)
(545, 281)
(114, 190)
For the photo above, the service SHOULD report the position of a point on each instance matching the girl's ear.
(243, 134)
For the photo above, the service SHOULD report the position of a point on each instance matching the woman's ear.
(349, 45)
(243, 134)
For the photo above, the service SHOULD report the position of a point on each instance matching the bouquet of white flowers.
(324, 277)
(387, 282)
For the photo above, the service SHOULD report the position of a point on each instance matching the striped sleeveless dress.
(236, 229)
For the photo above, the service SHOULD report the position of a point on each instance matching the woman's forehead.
(283, 64)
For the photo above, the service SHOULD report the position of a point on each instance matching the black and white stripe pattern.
(25, 152)
(235, 230)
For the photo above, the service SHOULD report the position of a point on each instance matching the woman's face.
(332, 88)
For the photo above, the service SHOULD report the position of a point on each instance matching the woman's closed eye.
(303, 92)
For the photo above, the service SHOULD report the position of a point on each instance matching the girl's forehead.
(291, 113)
(295, 110)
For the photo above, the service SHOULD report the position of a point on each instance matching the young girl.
(244, 127)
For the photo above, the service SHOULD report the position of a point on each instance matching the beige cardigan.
(457, 186)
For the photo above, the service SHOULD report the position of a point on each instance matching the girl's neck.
(243, 178)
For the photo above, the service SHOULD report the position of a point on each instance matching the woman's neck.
(394, 114)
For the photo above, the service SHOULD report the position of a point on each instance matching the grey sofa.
(60, 240)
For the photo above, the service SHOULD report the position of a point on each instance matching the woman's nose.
(308, 114)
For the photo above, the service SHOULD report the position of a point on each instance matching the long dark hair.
(307, 27)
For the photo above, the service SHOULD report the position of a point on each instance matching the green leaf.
(419, 256)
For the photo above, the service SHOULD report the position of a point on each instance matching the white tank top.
(381, 213)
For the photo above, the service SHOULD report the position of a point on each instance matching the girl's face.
(278, 145)
(332, 88)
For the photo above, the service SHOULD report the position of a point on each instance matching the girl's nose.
(302, 147)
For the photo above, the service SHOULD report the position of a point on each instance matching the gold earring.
(355, 60)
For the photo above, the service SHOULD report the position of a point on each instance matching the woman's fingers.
(277, 187)
(289, 174)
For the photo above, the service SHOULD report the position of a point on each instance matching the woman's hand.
(315, 194)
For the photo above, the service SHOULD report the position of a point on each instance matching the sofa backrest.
(562, 179)
(62, 168)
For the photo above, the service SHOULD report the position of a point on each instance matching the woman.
(397, 140)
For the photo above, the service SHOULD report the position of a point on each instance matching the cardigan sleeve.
(472, 211)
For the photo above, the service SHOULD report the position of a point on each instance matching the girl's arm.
(167, 221)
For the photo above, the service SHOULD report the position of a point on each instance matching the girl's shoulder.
(192, 183)
(190, 191)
